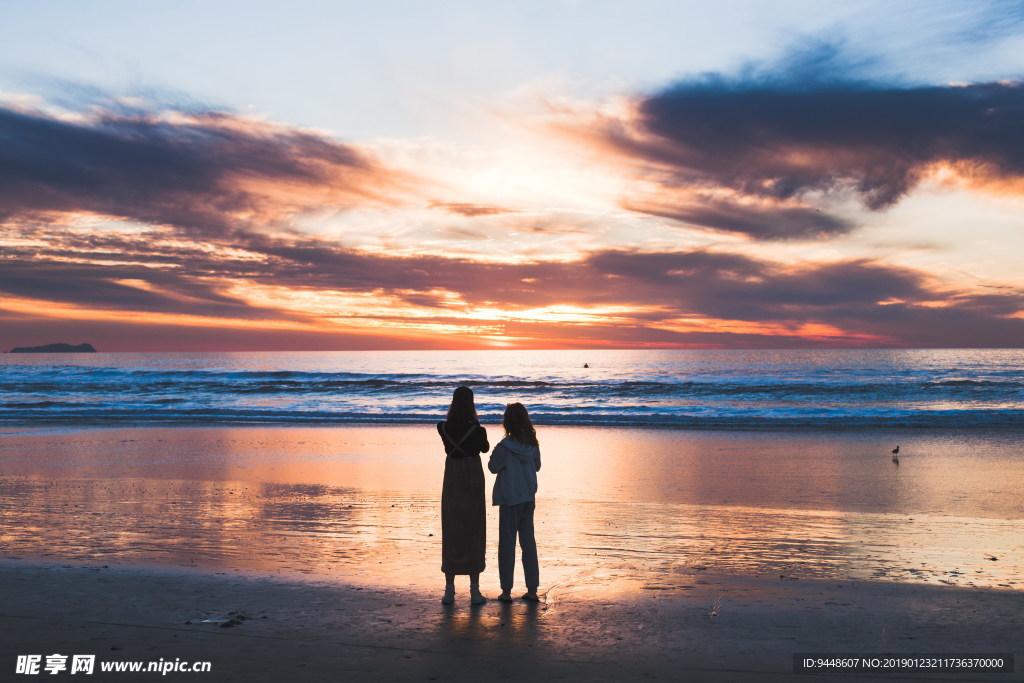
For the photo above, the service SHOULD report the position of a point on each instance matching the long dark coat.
(463, 507)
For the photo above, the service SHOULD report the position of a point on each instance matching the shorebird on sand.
(896, 455)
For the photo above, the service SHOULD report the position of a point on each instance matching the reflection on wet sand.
(362, 505)
(491, 630)
(377, 538)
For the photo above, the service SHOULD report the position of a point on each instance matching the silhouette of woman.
(463, 508)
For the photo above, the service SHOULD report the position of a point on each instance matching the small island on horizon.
(55, 348)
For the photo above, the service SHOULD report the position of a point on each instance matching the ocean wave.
(708, 417)
(680, 389)
(298, 382)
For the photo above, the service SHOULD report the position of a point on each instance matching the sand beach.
(716, 556)
(618, 625)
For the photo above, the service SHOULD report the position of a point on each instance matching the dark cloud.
(958, 324)
(127, 287)
(735, 287)
(861, 302)
(808, 129)
(209, 172)
(784, 141)
(860, 297)
(723, 285)
(756, 221)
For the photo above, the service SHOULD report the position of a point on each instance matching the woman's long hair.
(517, 424)
(462, 408)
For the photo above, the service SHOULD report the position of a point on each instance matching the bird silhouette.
(895, 455)
(896, 451)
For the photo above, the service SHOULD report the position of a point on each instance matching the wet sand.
(665, 555)
(606, 625)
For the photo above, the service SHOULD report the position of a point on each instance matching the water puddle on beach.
(363, 505)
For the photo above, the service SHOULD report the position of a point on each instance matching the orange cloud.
(269, 286)
(206, 173)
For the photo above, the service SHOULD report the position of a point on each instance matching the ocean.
(766, 463)
(697, 389)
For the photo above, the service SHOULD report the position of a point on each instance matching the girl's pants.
(517, 520)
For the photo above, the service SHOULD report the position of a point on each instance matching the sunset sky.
(338, 175)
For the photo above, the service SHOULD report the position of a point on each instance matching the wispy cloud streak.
(614, 296)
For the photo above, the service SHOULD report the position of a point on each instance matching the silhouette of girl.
(516, 461)
(463, 507)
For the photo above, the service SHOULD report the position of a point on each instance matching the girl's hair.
(517, 424)
(462, 408)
